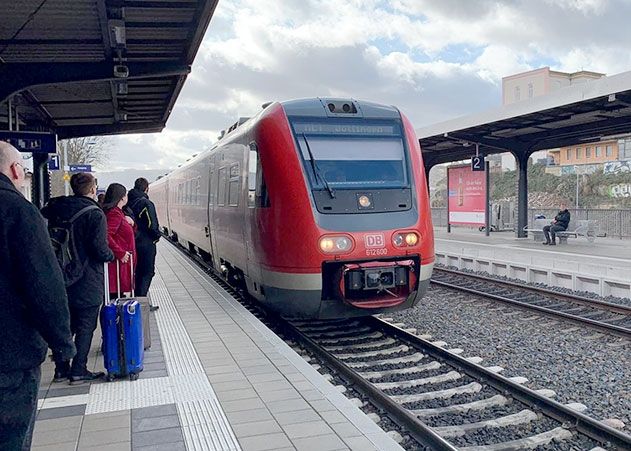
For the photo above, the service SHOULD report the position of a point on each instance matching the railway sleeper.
(401, 371)
(493, 401)
(367, 354)
(340, 333)
(522, 417)
(342, 327)
(414, 358)
(473, 387)
(558, 434)
(369, 345)
(333, 341)
(440, 378)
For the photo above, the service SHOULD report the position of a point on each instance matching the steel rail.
(424, 434)
(412, 425)
(610, 306)
(570, 418)
(602, 326)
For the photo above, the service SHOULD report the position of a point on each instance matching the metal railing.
(610, 223)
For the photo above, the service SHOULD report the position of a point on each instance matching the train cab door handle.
(207, 230)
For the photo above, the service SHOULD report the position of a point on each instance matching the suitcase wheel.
(134, 376)
(110, 378)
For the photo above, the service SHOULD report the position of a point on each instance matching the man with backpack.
(78, 233)
(33, 305)
(147, 235)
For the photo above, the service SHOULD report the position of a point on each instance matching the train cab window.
(353, 156)
(234, 185)
(221, 187)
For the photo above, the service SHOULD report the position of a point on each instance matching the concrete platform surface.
(215, 379)
(602, 267)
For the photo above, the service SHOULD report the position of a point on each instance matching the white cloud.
(434, 59)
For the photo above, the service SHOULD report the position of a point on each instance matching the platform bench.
(585, 228)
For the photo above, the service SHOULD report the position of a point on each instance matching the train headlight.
(336, 244)
(411, 239)
(404, 239)
(364, 201)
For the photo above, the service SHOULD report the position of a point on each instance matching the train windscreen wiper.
(316, 170)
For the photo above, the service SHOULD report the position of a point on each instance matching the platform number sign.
(477, 163)
(53, 163)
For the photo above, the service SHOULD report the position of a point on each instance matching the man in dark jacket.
(147, 235)
(85, 295)
(559, 224)
(33, 305)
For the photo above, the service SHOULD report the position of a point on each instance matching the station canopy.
(583, 113)
(92, 67)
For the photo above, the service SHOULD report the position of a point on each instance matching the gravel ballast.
(579, 364)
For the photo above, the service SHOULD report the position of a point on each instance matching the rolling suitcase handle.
(106, 283)
(131, 271)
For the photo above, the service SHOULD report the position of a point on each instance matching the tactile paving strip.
(204, 423)
(124, 395)
(202, 431)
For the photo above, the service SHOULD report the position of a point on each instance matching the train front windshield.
(351, 155)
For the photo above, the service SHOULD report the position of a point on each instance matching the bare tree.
(93, 150)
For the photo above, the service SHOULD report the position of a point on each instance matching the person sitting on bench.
(559, 224)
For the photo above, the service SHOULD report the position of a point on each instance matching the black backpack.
(62, 239)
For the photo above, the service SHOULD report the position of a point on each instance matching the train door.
(167, 205)
(250, 210)
(212, 202)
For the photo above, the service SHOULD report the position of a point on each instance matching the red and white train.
(318, 207)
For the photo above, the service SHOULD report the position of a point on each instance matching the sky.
(433, 59)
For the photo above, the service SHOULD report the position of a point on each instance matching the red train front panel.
(342, 225)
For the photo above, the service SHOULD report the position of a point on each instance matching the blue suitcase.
(121, 325)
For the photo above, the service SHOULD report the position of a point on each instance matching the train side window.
(233, 188)
(198, 193)
(211, 191)
(221, 187)
(252, 170)
(262, 196)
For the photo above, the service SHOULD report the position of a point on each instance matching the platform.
(215, 379)
(602, 267)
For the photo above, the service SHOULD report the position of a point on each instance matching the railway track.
(442, 400)
(446, 401)
(604, 316)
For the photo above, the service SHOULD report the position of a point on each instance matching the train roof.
(339, 107)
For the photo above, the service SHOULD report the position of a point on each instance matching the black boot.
(62, 372)
(545, 243)
(88, 376)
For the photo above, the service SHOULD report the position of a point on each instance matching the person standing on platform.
(120, 236)
(559, 224)
(83, 219)
(147, 235)
(33, 305)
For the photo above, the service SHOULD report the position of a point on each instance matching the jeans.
(552, 229)
(83, 321)
(145, 266)
(18, 408)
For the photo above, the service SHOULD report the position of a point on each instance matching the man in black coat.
(33, 305)
(85, 295)
(559, 224)
(147, 235)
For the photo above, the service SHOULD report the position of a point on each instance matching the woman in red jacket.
(120, 237)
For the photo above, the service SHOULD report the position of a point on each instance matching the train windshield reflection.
(355, 161)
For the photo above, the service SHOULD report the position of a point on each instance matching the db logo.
(374, 240)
